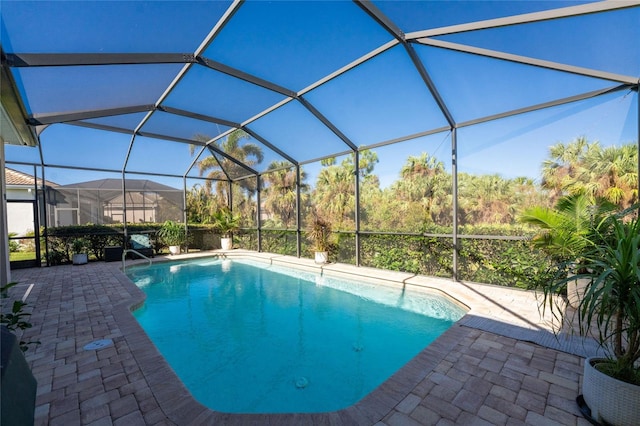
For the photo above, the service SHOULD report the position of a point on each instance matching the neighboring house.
(97, 201)
(21, 195)
(101, 201)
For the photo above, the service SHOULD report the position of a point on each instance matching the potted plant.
(319, 232)
(174, 235)
(18, 386)
(567, 232)
(610, 311)
(79, 248)
(225, 222)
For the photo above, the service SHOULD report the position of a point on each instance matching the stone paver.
(467, 376)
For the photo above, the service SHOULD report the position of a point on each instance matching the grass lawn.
(22, 255)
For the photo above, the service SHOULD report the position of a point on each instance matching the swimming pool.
(249, 338)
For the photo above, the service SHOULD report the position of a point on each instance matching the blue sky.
(296, 43)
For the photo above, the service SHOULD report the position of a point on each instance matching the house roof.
(142, 185)
(110, 190)
(17, 178)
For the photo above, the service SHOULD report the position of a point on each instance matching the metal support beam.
(356, 156)
(45, 197)
(406, 138)
(203, 46)
(95, 126)
(556, 66)
(184, 211)
(327, 123)
(361, 60)
(208, 145)
(430, 84)
(382, 20)
(43, 119)
(19, 60)
(545, 105)
(583, 9)
(124, 192)
(197, 116)
(5, 262)
(259, 212)
(298, 212)
(454, 189)
(214, 65)
(270, 145)
(195, 160)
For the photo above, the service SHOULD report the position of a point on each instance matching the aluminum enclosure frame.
(37, 122)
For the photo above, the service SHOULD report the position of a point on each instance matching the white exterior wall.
(20, 193)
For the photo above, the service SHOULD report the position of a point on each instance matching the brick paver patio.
(467, 376)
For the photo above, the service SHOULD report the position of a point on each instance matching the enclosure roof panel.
(110, 184)
(295, 43)
(421, 15)
(107, 26)
(304, 80)
(609, 44)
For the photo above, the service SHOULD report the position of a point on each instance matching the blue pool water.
(248, 338)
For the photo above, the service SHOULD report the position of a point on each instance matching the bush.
(14, 245)
(97, 237)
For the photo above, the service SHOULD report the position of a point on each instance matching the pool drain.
(98, 344)
(357, 347)
(302, 382)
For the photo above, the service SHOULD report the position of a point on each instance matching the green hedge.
(510, 263)
(96, 237)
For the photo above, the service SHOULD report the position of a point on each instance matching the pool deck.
(499, 365)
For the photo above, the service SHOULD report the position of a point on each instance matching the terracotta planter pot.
(610, 400)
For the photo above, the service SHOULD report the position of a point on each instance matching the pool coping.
(182, 408)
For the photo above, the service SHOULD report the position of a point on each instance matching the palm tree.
(280, 195)
(583, 167)
(561, 171)
(425, 184)
(334, 194)
(220, 168)
(615, 172)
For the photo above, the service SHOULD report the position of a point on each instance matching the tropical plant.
(571, 228)
(612, 300)
(319, 234)
(226, 222)
(172, 233)
(79, 245)
(17, 318)
(200, 204)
